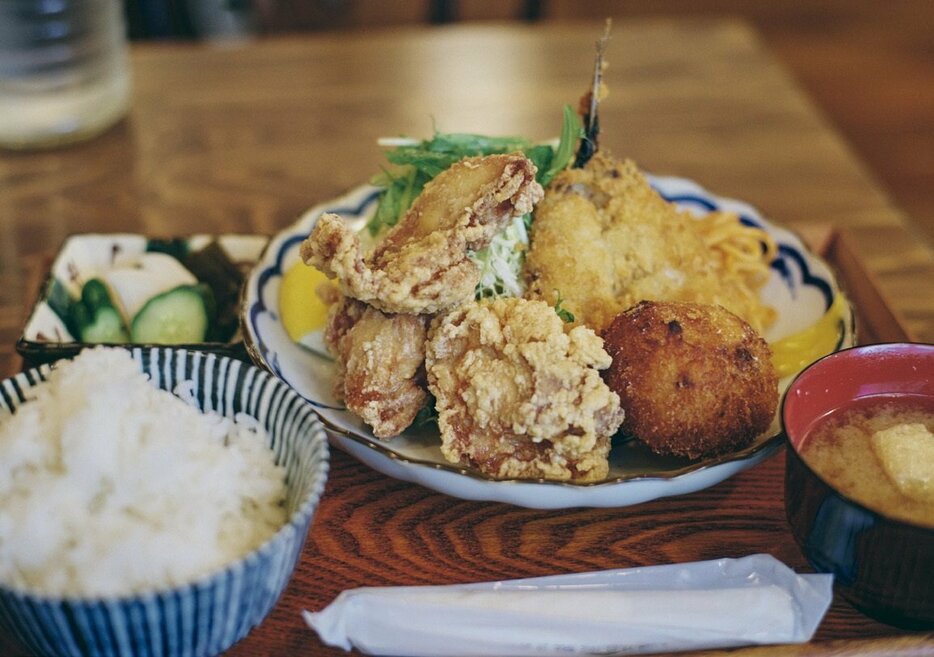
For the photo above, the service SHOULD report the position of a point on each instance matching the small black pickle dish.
(79, 301)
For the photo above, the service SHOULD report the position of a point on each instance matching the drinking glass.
(64, 71)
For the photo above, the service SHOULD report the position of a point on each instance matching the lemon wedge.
(301, 309)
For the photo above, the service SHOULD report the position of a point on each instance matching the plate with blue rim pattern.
(801, 288)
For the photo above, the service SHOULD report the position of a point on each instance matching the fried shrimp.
(695, 380)
(422, 264)
(519, 393)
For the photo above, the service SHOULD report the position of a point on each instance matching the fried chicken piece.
(604, 240)
(518, 392)
(695, 380)
(422, 263)
(380, 359)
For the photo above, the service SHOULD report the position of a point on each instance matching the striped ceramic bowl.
(209, 615)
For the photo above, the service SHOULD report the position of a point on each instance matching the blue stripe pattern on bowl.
(207, 616)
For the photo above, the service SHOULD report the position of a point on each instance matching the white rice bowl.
(133, 523)
(110, 486)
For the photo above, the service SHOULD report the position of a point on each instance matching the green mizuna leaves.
(417, 162)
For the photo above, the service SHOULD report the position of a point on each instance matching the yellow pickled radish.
(794, 352)
(301, 309)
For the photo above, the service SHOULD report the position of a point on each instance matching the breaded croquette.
(694, 380)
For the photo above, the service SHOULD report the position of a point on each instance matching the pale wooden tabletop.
(243, 138)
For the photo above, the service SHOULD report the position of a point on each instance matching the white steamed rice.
(109, 486)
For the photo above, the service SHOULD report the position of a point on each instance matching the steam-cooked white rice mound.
(109, 486)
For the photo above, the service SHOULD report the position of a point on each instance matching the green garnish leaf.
(399, 190)
(427, 414)
(572, 131)
(563, 313)
(417, 163)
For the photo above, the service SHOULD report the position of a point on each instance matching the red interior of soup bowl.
(882, 566)
(836, 380)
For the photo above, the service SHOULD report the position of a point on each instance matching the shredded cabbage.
(502, 261)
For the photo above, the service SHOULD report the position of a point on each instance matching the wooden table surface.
(243, 138)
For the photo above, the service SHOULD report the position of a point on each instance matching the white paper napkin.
(692, 606)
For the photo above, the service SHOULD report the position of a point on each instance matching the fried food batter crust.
(603, 240)
(422, 264)
(695, 380)
(519, 394)
(380, 364)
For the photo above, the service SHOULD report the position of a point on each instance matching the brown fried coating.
(422, 264)
(519, 394)
(380, 364)
(695, 380)
(603, 239)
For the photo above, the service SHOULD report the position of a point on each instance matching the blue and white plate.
(801, 289)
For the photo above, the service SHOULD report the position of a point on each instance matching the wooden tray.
(875, 317)
(373, 530)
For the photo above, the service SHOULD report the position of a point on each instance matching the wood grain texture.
(374, 531)
(905, 646)
(244, 138)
